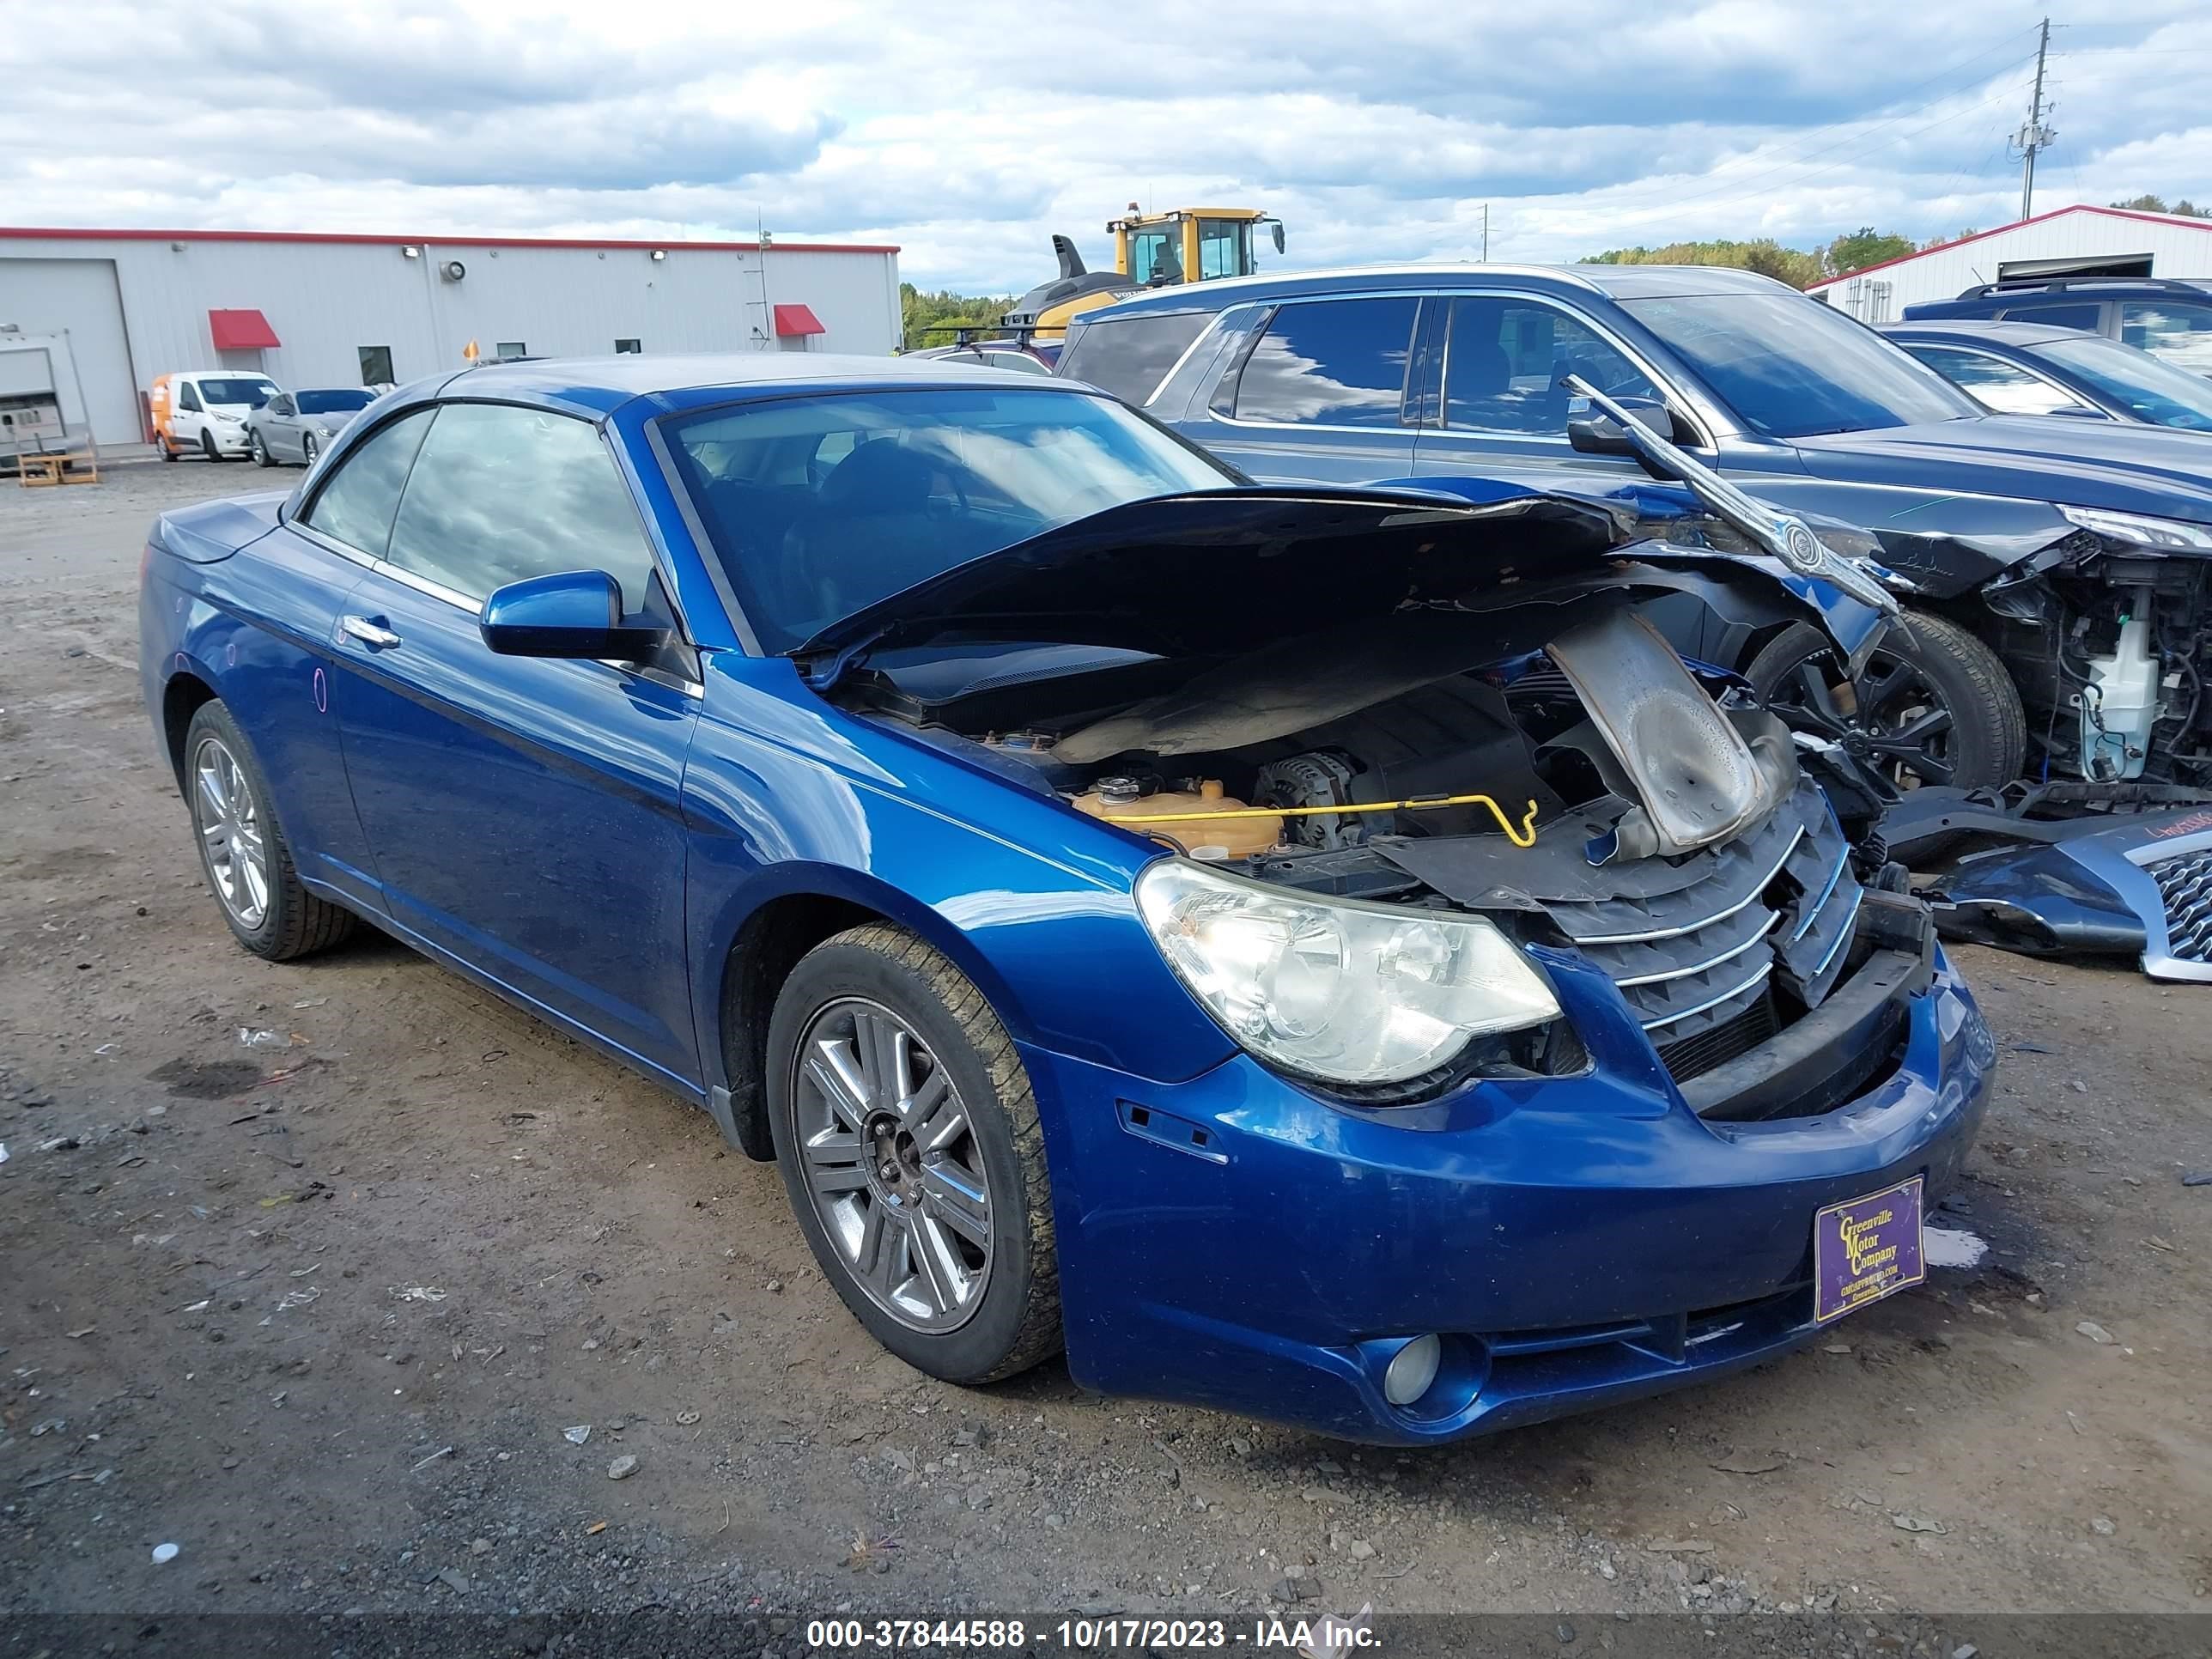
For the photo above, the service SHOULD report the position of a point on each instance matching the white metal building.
(2070, 241)
(312, 310)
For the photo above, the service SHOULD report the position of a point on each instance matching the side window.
(1330, 363)
(357, 505)
(376, 365)
(1506, 363)
(188, 396)
(1015, 360)
(1994, 383)
(2076, 315)
(499, 493)
(2179, 333)
(1131, 355)
(1153, 256)
(630, 347)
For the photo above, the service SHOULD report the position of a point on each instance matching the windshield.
(2147, 387)
(251, 393)
(819, 507)
(341, 401)
(1791, 367)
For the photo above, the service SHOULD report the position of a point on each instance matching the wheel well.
(180, 700)
(766, 948)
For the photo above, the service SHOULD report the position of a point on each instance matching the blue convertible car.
(1317, 953)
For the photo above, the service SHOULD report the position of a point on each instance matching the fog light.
(1411, 1370)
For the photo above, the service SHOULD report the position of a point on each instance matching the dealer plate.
(1865, 1249)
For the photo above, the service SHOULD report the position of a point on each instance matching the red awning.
(798, 319)
(241, 331)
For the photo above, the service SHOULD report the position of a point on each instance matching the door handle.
(375, 635)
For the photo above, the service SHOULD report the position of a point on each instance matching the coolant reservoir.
(1187, 821)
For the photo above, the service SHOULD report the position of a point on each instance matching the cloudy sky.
(967, 133)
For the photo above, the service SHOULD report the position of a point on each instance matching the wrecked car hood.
(2132, 469)
(1220, 571)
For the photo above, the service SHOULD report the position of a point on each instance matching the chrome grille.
(2185, 882)
(1776, 908)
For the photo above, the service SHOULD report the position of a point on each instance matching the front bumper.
(1234, 1242)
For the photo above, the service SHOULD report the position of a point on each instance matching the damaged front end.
(1419, 746)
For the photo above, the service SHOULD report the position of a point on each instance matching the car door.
(1505, 359)
(524, 813)
(270, 421)
(1319, 396)
(187, 419)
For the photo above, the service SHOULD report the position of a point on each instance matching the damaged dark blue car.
(1317, 953)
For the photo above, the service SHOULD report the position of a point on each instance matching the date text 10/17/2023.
(1322, 1636)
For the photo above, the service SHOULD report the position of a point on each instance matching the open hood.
(1222, 571)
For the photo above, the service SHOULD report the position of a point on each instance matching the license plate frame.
(1867, 1247)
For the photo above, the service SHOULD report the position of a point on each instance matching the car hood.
(1221, 571)
(2158, 470)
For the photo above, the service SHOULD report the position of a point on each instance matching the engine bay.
(1556, 766)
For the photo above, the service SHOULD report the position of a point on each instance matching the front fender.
(788, 795)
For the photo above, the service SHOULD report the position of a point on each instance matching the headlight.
(2138, 528)
(1340, 990)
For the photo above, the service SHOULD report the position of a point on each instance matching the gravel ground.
(331, 1313)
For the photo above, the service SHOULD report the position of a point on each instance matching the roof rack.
(1013, 334)
(2026, 285)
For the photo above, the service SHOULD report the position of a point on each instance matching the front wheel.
(1933, 706)
(907, 1132)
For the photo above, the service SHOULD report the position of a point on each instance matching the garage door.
(46, 296)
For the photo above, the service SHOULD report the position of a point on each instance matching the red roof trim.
(76, 233)
(242, 331)
(2176, 220)
(798, 319)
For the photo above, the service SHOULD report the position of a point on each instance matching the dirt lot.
(318, 1306)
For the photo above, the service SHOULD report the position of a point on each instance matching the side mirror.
(1277, 229)
(1592, 432)
(575, 613)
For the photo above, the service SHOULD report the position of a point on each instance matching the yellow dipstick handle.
(1525, 836)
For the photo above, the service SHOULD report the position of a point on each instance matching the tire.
(1925, 666)
(258, 450)
(886, 976)
(289, 920)
(162, 444)
(307, 450)
(207, 446)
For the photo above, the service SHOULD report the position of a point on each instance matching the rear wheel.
(307, 450)
(1933, 705)
(163, 445)
(258, 449)
(908, 1136)
(243, 853)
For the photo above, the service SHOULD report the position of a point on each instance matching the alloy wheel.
(229, 821)
(1893, 716)
(891, 1164)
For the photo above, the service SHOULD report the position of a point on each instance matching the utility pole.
(2034, 136)
(1485, 233)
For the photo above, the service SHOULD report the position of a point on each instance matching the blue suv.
(2055, 570)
